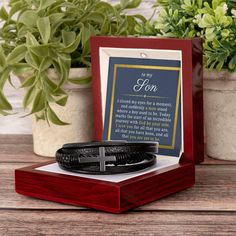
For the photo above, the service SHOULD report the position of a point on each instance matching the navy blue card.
(143, 102)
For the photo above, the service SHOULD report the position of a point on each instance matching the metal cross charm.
(102, 159)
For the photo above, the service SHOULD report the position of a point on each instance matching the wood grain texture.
(208, 208)
(91, 223)
(104, 195)
(215, 190)
(18, 148)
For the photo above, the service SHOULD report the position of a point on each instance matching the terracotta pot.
(78, 112)
(220, 114)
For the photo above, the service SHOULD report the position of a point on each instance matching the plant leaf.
(123, 27)
(105, 6)
(31, 40)
(3, 14)
(17, 54)
(39, 102)
(68, 37)
(85, 35)
(62, 102)
(28, 82)
(129, 4)
(232, 63)
(140, 17)
(55, 17)
(4, 104)
(45, 3)
(28, 18)
(2, 58)
(96, 17)
(4, 76)
(44, 28)
(21, 68)
(16, 7)
(54, 118)
(64, 72)
(81, 81)
(72, 47)
(40, 116)
(3, 113)
(29, 96)
(41, 50)
(32, 60)
(105, 29)
(53, 87)
(45, 64)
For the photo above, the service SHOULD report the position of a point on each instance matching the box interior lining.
(162, 162)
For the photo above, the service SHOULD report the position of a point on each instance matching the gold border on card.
(116, 66)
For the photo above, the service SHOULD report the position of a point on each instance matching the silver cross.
(102, 159)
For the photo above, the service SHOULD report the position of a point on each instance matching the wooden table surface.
(208, 208)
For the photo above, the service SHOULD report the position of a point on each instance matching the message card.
(143, 102)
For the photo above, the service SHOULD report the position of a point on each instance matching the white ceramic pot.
(220, 114)
(78, 112)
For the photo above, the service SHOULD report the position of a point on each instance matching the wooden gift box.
(120, 193)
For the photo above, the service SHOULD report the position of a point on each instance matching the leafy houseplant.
(46, 43)
(38, 35)
(214, 21)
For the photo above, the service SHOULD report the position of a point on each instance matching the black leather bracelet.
(106, 157)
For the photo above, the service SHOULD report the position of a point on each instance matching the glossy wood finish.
(103, 195)
(207, 208)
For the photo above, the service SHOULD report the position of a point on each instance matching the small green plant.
(214, 21)
(40, 34)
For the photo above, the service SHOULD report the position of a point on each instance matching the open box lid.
(150, 89)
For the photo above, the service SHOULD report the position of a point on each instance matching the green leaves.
(32, 60)
(44, 28)
(81, 81)
(85, 31)
(4, 104)
(207, 21)
(31, 40)
(45, 3)
(54, 118)
(129, 4)
(45, 64)
(29, 96)
(68, 37)
(28, 18)
(62, 101)
(232, 63)
(2, 58)
(73, 46)
(216, 3)
(17, 55)
(211, 20)
(28, 82)
(39, 102)
(40, 51)
(55, 34)
(3, 14)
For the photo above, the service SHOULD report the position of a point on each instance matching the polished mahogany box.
(144, 89)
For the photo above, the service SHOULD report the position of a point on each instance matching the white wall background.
(14, 124)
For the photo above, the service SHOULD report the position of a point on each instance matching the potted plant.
(215, 22)
(46, 44)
